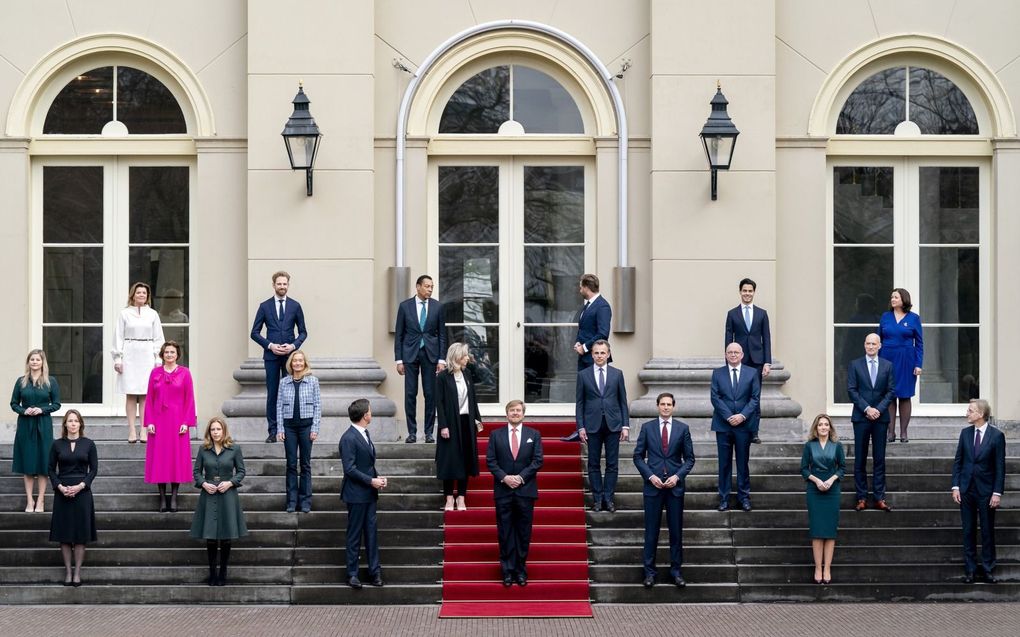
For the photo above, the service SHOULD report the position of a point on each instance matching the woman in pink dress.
(169, 417)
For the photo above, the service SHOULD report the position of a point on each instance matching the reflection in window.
(138, 100)
(528, 96)
(930, 100)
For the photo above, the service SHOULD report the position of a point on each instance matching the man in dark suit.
(735, 392)
(603, 418)
(281, 316)
(748, 326)
(514, 456)
(360, 491)
(979, 480)
(871, 388)
(664, 455)
(419, 345)
(593, 321)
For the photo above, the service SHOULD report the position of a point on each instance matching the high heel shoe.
(461, 505)
(30, 508)
(39, 508)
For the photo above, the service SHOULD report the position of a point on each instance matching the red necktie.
(665, 438)
(514, 442)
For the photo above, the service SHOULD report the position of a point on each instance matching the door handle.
(518, 324)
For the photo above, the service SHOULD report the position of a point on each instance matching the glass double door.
(512, 240)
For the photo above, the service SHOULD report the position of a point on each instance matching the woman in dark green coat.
(823, 464)
(35, 397)
(219, 470)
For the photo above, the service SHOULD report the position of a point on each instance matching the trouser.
(974, 509)
(865, 433)
(674, 506)
(462, 487)
(275, 369)
(361, 526)
(298, 444)
(603, 490)
(734, 442)
(427, 369)
(514, 516)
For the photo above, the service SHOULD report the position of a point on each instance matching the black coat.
(456, 456)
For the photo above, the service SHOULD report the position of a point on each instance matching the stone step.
(869, 592)
(803, 573)
(693, 593)
(185, 594)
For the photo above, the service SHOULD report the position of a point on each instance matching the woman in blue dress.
(823, 465)
(903, 346)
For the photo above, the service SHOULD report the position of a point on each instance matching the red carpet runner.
(558, 558)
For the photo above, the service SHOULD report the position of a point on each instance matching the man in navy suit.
(419, 345)
(282, 317)
(871, 388)
(603, 418)
(979, 480)
(592, 321)
(736, 392)
(360, 491)
(664, 455)
(748, 326)
(514, 456)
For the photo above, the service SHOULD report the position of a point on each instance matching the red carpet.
(558, 558)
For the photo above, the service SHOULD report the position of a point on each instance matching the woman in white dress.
(136, 344)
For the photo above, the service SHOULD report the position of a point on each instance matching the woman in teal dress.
(219, 471)
(36, 396)
(823, 464)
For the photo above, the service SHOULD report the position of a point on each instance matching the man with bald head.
(736, 392)
(871, 388)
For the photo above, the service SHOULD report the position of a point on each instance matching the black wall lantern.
(719, 137)
(301, 136)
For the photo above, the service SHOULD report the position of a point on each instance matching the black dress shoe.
(723, 506)
(270, 438)
(291, 509)
(574, 437)
(596, 506)
(508, 580)
(649, 581)
(411, 438)
(679, 581)
(354, 583)
(756, 440)
(611, 506)
(377, 580)
(430, 440)
(522, 579)
(746, 506)
(990, 579)
(968, 578)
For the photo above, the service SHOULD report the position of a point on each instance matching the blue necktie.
(280, 315)
(873, 371)
(734, 370)
(421, 324)
(602, 381)
(747, 318)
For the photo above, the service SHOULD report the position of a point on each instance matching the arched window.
(907, 100)
(510, 94)
(94, 103)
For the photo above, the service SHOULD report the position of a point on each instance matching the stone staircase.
(146, 557)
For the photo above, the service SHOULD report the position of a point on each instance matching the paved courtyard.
(703, 620)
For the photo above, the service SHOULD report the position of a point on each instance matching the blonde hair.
(515, 402)
(44, 373)
(134, 288)
(305, 372)
(207, 441)
(454, 354)
(813, 432)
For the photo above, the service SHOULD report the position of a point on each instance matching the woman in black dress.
(73, 467)
(458, 416)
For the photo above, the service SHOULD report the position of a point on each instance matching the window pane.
(938, 106)
(541, 105)
(145, 105)
(554, 204)
(75, 357)
(876, 106)
(470, 283)
(468, 204)
(949, 285)
(483, 343)
(862, 205)
(950, 204)
(480, 104)
(862, 279)
(848, 343)
(158, 204)
(166, 271)
(951, 365)
(72, 204)
(179, 334)
(73, 285)
(549, 376)
(550, 283)
(84, 106)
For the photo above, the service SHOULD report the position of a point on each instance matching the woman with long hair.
(73, 466)
(169, 417)
(299, 411)
(218, 519)
(136, 342)
(458, 421)
(823, 465)
(36, 396)
(903, 346)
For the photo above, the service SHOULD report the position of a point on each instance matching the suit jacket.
(501, 462)
(592, 325)
(592, 406)
(986, 470)
(407, 335)
(277, 331)
(678, 460)
(309, 402)
(728, 401)
(863, 395)
(358, 459)
(757, 343)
